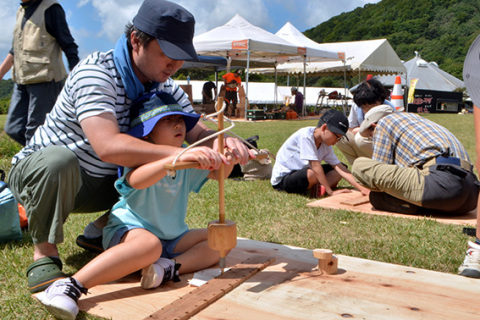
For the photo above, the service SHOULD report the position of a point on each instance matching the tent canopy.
(293, 36)
(240, 40)
(368, 56)
(429, 75)
(206, 62)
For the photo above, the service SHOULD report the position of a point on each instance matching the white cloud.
(7, 16)
(213, 13)
(82, 3)
(114, 15)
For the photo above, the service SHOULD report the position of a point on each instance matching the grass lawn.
(266, 215)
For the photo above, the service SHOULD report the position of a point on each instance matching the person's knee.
(361, 162)
(60, 161)
(151, 244)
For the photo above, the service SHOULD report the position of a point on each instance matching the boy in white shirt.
(298, 166)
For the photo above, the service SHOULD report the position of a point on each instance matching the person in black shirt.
(207, 95)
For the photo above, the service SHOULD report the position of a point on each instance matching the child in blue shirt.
(146, 229)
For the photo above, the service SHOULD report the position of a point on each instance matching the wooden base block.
(328, 266)
(327, 262)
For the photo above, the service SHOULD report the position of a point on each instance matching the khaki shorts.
(50, 184)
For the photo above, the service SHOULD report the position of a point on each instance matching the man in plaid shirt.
(416, 166)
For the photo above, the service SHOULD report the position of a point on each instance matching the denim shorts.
(167, 245)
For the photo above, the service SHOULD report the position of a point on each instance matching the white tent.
(429, 75)
(431, 81)
(291, 34)
(239, 40)
(367, 56)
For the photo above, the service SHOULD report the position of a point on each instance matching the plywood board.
(292, 288)
(344, 201)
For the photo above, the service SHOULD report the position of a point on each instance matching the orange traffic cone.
(397, 95)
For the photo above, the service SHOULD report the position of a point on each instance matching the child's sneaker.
(158, 272)
(61, 298)
(471, 265)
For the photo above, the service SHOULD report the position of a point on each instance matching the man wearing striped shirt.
(70, 164)
(417, 165)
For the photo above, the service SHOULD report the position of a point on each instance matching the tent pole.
(304, 111)
(345, 87)
(246, 81)
(275, 92)
(216, 85)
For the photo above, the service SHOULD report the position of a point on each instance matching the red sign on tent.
(240, 44)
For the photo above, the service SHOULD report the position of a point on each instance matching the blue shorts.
(167, 245)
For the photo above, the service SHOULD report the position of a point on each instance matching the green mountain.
(440, 30)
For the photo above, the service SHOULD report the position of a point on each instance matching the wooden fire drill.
(222, 234)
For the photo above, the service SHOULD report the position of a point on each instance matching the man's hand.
(238, 150)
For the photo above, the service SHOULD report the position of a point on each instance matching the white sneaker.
(471, 265)
(61, 298)
(158, 272)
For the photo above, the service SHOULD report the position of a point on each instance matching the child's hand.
(207, 158)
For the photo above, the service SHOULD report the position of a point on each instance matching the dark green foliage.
(440, 30)
(6, 87)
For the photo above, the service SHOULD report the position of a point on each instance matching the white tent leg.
(304, 111)
(246, 81)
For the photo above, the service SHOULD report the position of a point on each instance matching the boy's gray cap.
(373, 115)
(171, 24)
(471, 71)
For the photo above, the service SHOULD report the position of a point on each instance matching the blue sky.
(97, 24)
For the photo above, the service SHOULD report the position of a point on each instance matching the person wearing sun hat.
(417, 166)
(298, 167)
(470, 266)
(368, 94)
(146, 229)
(155, 106)
(70, 164)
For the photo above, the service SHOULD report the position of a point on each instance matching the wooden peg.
(327, 262)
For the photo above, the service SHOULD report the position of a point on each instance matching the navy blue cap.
(151, 107)
(171, 24)
(336, 121)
